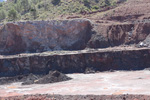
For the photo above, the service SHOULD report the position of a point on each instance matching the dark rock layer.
(78, 62)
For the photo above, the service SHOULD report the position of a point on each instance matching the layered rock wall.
(75, 62)
(40, 36)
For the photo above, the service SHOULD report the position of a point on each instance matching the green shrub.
(2, 15)
(86, 3)
(12, 14)
(33, 12)
(55, 2)
(1, 5)
(95, 7)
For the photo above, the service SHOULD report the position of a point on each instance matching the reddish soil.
(79, 97)
(125, 12)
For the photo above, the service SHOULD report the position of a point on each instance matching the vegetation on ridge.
(13, 10)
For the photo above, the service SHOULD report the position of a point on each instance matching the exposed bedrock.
(39, 36)
(76, 62)
(72, 35)
(77, 34)
(118, 34)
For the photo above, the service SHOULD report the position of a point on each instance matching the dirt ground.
(118, 85)
(80, 97)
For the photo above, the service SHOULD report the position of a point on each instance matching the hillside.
(103, 47)
(15, 10)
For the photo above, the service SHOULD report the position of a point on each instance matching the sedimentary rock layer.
(76, 61)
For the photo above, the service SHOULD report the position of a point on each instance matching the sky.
(2, 0)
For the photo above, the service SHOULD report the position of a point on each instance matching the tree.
(12, 14)
(107, 2)
(86, 3)
(2, 15)
(45, 5)
(97, 1)
(18, 6)
(26, 5)
(33, 12)
(1, 4)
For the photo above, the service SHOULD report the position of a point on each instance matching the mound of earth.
(19, 78)
(52, 77)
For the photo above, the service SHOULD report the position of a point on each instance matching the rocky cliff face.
(39, 36)
(76, 62)
(118, 34)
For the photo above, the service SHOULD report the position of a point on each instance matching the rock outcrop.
(76, 61)
(78, 34)
(39, 36)
(118, 34)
